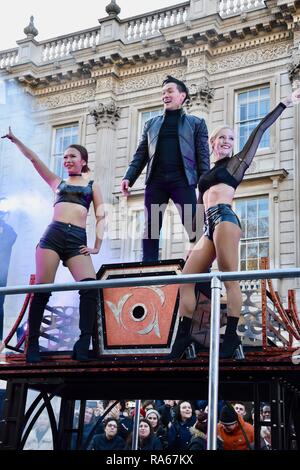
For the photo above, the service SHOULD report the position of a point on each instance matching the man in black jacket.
(174, 146)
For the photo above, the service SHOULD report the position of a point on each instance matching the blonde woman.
(222, 228)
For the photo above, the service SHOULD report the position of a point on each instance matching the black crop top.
(82, 195)
(231, 170)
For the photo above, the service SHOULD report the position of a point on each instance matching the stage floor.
(154, 377)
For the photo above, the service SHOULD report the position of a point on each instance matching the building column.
(294, 75)
(296, 84)
(201, 96)
(105, 116)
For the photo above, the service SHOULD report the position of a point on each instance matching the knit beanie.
(148, 412)
(228, 415)
(201, 423)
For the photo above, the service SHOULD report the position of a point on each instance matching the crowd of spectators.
(175, 425)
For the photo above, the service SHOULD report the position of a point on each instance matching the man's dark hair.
(180, 85)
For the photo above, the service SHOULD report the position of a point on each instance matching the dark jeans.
(157, 195)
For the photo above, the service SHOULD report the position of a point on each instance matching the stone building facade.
(239, 58)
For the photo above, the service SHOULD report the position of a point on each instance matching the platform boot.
(35, 317)
(87, 318)
(183, 343)
(231, 346)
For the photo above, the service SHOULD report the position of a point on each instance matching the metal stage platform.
(268, 328)
(152, 377)
(259, 378)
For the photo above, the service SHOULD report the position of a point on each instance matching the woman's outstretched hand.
(9, 136)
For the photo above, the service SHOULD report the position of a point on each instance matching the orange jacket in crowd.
(236, 439)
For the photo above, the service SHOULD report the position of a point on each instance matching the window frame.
(237, 123)
(136, 204)
(140, 113)
(135, 212)
(229, 116)
(53, 142)
(257, 238)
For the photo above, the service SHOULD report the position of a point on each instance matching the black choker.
(75, 174)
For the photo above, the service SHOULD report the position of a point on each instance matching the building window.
(63, 137)
(136, 229)
(254, 216)
(136, 219)
(146, 115)
(252, 106)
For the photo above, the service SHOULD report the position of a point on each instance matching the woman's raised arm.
(240, 162)
(51, 178)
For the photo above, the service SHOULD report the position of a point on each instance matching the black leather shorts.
(217, 214)
(64, 239)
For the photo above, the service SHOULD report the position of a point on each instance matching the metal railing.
(216, 279)
(155, 280)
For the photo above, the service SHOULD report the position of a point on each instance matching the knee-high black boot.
(231, 346)
(87, 318)
(183, 338)
(37, 307)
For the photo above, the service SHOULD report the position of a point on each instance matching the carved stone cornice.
(105, 71)
(106, 83)
(105, 114)
(251, 43)
(174, 62)
(146, 68)
(124, 80)
(135, 59)
(64, 99)
(54, 81)
(59, 88)
(195, 51)
(150, 80)
(248, 58)
(196, 63)
(236, 46)
(230, 32)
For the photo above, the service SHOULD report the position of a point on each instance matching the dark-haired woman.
(146, 438)
(65, 239)
(179, 435)
(159, 430)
